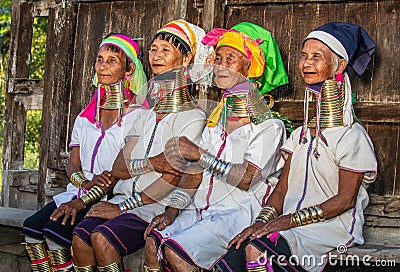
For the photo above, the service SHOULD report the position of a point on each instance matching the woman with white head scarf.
(319, 200)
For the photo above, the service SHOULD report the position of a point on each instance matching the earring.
(339, 77)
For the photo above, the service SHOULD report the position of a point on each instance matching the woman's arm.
(74, 162)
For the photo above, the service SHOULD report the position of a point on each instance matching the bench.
(381, 232)
(11, 220)
(14, 217)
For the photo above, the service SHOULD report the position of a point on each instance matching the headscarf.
(131, 50)
(190, 37)
(260, 48)
(352, 43)
(137, 81)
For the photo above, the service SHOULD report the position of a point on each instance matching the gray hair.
(336, 60)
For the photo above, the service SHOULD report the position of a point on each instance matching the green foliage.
(32, 138)
(36, 71)
(5, 24)
(38, 52)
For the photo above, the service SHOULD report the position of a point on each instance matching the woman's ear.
(188, 58)
(132, 68)
(342, 66)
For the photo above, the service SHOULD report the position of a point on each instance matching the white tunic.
(313, 181)
(188, 123)
(221, 209)
(98, 148)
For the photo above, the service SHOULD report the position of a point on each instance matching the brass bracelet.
(258, 219)
(306, 216)
(77, 178)
(314, 214)
(307, 212)
(263, 218)
(302, 216)
(320, 212)
(60, 256)
(87, 268)
(271, 210)
(94, 195)
(294, 219)
(267, 213)
(115, 266)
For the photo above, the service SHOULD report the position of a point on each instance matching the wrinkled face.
(231, 67)
(164, 56)
(317, 62)
(110, 66)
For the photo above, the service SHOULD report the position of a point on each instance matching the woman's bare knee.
(177, 263)
(104, 250)
(98, 241)
(81, 252)
(101, 244)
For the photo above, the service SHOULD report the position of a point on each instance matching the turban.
(131, 50)
(352, 43)
(259, 47)
(137, 81)
(190, 37)
(349, 41)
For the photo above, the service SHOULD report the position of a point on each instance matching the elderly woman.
(97, 138)
(238, 160)
(115, 228)
(319, 200)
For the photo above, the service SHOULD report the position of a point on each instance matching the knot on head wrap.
(352, 43)
(260, 48)
(190, 36)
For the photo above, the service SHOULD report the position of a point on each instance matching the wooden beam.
(255, 2)
(18, 67)
(15, 109)
(25, 86)
(214, 13)
(56, 92)
(27, 91)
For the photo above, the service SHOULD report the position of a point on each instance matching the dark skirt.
(39, 226)
(160, 244)
(125, 232)
(235, 259)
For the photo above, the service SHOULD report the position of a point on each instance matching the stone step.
(14, 217)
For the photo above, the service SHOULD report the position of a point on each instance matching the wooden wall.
(76, 29)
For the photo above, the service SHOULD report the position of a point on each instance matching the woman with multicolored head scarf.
(176, 45)
(317, 205)
(97, 138)
(237, 163)
(115, 228)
